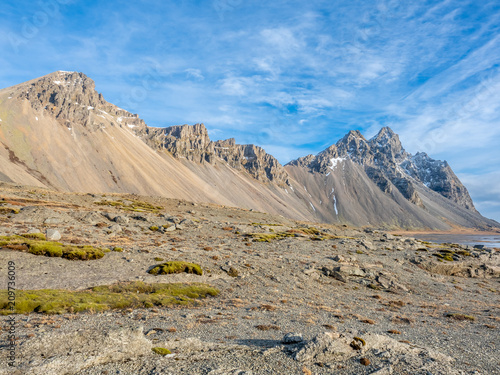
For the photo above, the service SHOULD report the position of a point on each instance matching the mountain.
(58, 132)
(372, 181)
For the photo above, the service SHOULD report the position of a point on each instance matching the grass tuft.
(176, 267)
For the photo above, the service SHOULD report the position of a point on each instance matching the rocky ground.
(311, 299)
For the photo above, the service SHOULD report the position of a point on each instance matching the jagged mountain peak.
(387, 142)
(193, 143)
(72, 99)
(388, 165)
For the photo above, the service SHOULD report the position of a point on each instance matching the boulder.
(53, 235)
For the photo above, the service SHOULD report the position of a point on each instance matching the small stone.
(292, 338)
(339, 258)
(121, 220)
(364, 361)
(53, 235)
(115, 228)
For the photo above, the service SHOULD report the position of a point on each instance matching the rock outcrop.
(193, 143)
(71, 98)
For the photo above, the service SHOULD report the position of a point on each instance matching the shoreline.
(465, 232)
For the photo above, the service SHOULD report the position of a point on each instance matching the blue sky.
(290, 76)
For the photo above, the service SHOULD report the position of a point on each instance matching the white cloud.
(194, 73)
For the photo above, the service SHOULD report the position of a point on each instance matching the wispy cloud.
(307, 70)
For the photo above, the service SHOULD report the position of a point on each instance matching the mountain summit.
(57, 131)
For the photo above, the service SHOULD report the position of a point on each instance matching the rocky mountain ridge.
(389, 166)
(193, 143)
(71, 97)
(59, 132)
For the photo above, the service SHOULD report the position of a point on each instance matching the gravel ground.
(357, 283)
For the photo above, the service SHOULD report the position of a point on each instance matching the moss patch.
(161, 351)
(133, 205)
(176, 267)
(107, 297)
(312, 233)
(49, 248)
(8, 211)
(34, 236)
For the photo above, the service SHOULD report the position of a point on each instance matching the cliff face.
(193, 143)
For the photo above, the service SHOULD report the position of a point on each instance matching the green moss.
(158, 259)
(176, 267)
(464, 253)
(310, 230)
(107, 297)
(34, 236)
(118, 249)
(161, 351)
(233, 272)
(134, 206)
(154, 228)
(268, 237)
(51, 249)
(446, 256)
(313, 233)
(8, 211)
(357, 343)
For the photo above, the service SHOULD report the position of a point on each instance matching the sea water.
(463, 239)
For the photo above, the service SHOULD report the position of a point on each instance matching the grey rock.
(368, 245)
(323, 348)
(338, 276)
(188, 223)
(110, 216)
(53, 235)
(292, 338)
(350, 271)
(170, 228)
(172, 219)
(339, 258)
(115, 228)
(121, 219)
